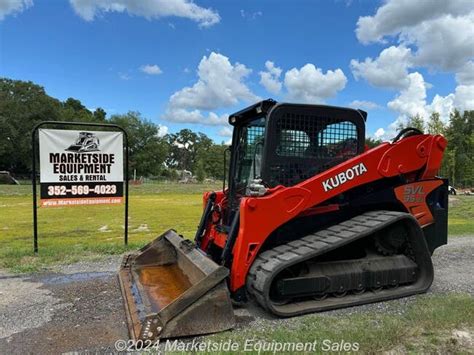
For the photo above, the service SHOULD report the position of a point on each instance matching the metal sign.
(80, 167)
(92, 159)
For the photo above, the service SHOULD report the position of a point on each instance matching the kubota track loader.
(311, 220)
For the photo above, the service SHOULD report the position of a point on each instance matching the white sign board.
(80, 167)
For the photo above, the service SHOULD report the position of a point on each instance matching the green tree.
(25, 104)
(459, 155)
(371, 142)
(414, 122)
(213, 159)
(22, 106)
(148, 151)
(99, 115)
(435, 125)
(73, 104)
(170, 174)
(74, 111)
(200, 171)
(187, 148)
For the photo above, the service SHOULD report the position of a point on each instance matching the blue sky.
(119, 56)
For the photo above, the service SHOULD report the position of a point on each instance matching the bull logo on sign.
(85, 143)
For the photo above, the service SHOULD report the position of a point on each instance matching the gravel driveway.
(78, 307)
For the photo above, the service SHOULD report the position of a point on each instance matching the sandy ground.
(78, 307)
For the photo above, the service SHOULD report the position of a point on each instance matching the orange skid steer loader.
(311, 220)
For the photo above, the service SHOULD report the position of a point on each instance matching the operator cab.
(284, 144)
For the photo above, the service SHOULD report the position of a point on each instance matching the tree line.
(24, 104)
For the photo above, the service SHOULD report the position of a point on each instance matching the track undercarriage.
(344, 265)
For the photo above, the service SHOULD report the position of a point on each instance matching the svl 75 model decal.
(413, 193)
(344, 177)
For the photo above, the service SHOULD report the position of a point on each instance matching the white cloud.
(412, 100)
(150, 9)
(364, 105)
(442, 32)
(388, 70)
(195, 116)
(220, 84)
(270, 79)
(466, 74)
(225, 132)
(309, 84)
(379, 133)
(464, 97)
(11, 7)
(162, 130)
(151, 69)
(443, 105)
(396, 15)
(446, 43)
(250, 15)
(124, 76)
(440, 36)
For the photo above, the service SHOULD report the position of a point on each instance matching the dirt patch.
(142, 228)
(463, 337)
(104, 229)
(25, 304)
(89, 315)
(454, 266)
(459, 341)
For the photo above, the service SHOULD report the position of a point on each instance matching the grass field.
(70, 234)
(426, 326)
(461, 215)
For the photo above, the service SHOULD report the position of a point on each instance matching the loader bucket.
(171, 289)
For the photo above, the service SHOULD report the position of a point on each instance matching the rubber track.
(271, 262)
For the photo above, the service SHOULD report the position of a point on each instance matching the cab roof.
(263, 107)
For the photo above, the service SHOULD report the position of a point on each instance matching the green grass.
(69, 234)
(461, 215)
(424, 327)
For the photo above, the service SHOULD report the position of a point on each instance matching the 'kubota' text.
(344, 177)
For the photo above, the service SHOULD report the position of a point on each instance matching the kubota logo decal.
(344, 177)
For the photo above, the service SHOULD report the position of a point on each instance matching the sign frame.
(34, 155)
